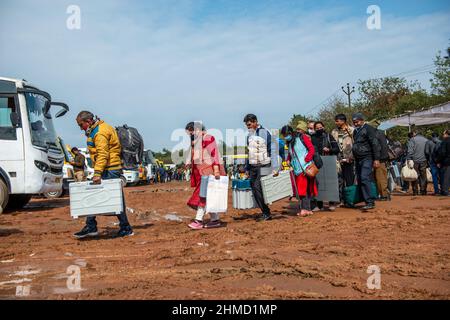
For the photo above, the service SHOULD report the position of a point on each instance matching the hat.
(302, 125)
(358, 116)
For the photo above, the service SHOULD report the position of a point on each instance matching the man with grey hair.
(104, 147)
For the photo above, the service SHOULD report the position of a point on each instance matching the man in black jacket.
(381, 174)
(443, 162)
(366, 150)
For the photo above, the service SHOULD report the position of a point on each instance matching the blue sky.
(156, 65)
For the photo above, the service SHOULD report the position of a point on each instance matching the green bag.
(352, 194)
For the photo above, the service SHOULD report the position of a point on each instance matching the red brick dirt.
(324, 256)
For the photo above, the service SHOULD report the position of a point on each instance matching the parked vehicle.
(68, 173)
(31, 162)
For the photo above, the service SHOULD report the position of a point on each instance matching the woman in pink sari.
(204, 160)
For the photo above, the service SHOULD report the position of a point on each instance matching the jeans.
(91, 222)
(421, 169)
(364, 168)
(305, 203)
(445, 180)
(255, 183)
(436, 173)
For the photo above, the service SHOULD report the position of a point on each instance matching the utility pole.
(348, 93)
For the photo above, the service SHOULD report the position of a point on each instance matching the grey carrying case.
(204, 186)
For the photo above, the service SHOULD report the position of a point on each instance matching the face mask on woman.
(319, 131)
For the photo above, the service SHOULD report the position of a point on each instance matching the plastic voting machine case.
(242, 195)
(87, 199)
(276, 188)
(327, 180)
(217, 194)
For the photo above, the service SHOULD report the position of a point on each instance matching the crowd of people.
(163, 175)
(363, 156)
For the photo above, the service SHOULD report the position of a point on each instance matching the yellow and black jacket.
(104, 147)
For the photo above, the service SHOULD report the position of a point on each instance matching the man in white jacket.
(262, 160)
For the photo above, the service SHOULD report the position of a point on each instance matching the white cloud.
(156, 69)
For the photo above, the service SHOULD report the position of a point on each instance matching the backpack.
(395, 150)
(132, 146)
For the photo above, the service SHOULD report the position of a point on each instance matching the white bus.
(31, 161)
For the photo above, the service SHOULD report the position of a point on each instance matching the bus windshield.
(42, 131)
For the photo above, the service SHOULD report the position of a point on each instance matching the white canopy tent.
(435, 115)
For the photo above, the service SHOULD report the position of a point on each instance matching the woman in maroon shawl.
(205, 160)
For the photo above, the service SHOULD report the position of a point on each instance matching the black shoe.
(384, 199)
(265, 217)
(125, 232)
(368, 206)
(86, 232)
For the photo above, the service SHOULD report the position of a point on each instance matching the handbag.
(310, 171)
(429, 175)
(409, 174)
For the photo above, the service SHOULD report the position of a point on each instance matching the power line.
(325, 100)
(404, 74)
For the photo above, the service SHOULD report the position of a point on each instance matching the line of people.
(363, 158)
(362, 155)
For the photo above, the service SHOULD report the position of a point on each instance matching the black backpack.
(132, 146)
(395, 150)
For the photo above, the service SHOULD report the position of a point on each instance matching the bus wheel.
(54, 194)
(124, 181)
(4, 196)
(18, 201)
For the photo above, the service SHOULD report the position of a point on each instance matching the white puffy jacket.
(257, 151)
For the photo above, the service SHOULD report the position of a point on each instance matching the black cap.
(358, 116)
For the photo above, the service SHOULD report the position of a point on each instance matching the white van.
(31, 161)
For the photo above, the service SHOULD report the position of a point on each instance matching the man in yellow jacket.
(104, 147)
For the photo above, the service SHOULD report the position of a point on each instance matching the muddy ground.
(326, 255)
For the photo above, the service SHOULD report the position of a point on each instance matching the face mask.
(192, 137)
(288, 138)
(320, 131)
(310, 131)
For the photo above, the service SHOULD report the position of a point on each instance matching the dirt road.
(326, 255)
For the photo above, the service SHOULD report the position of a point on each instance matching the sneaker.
(383, 199)
(125, 232)
(265, 217)
(213, 224)
(332, 208)
(316, 209)
(86, 232)
(369, 206)
(196, 225)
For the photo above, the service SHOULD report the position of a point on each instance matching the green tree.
(296, 118)
(332, 108)
(378, 97)
(440, 83)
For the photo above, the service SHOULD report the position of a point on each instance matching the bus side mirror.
(64, 109)
(15, 119)
(60, 113)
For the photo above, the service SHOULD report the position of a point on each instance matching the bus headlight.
(42, 165)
